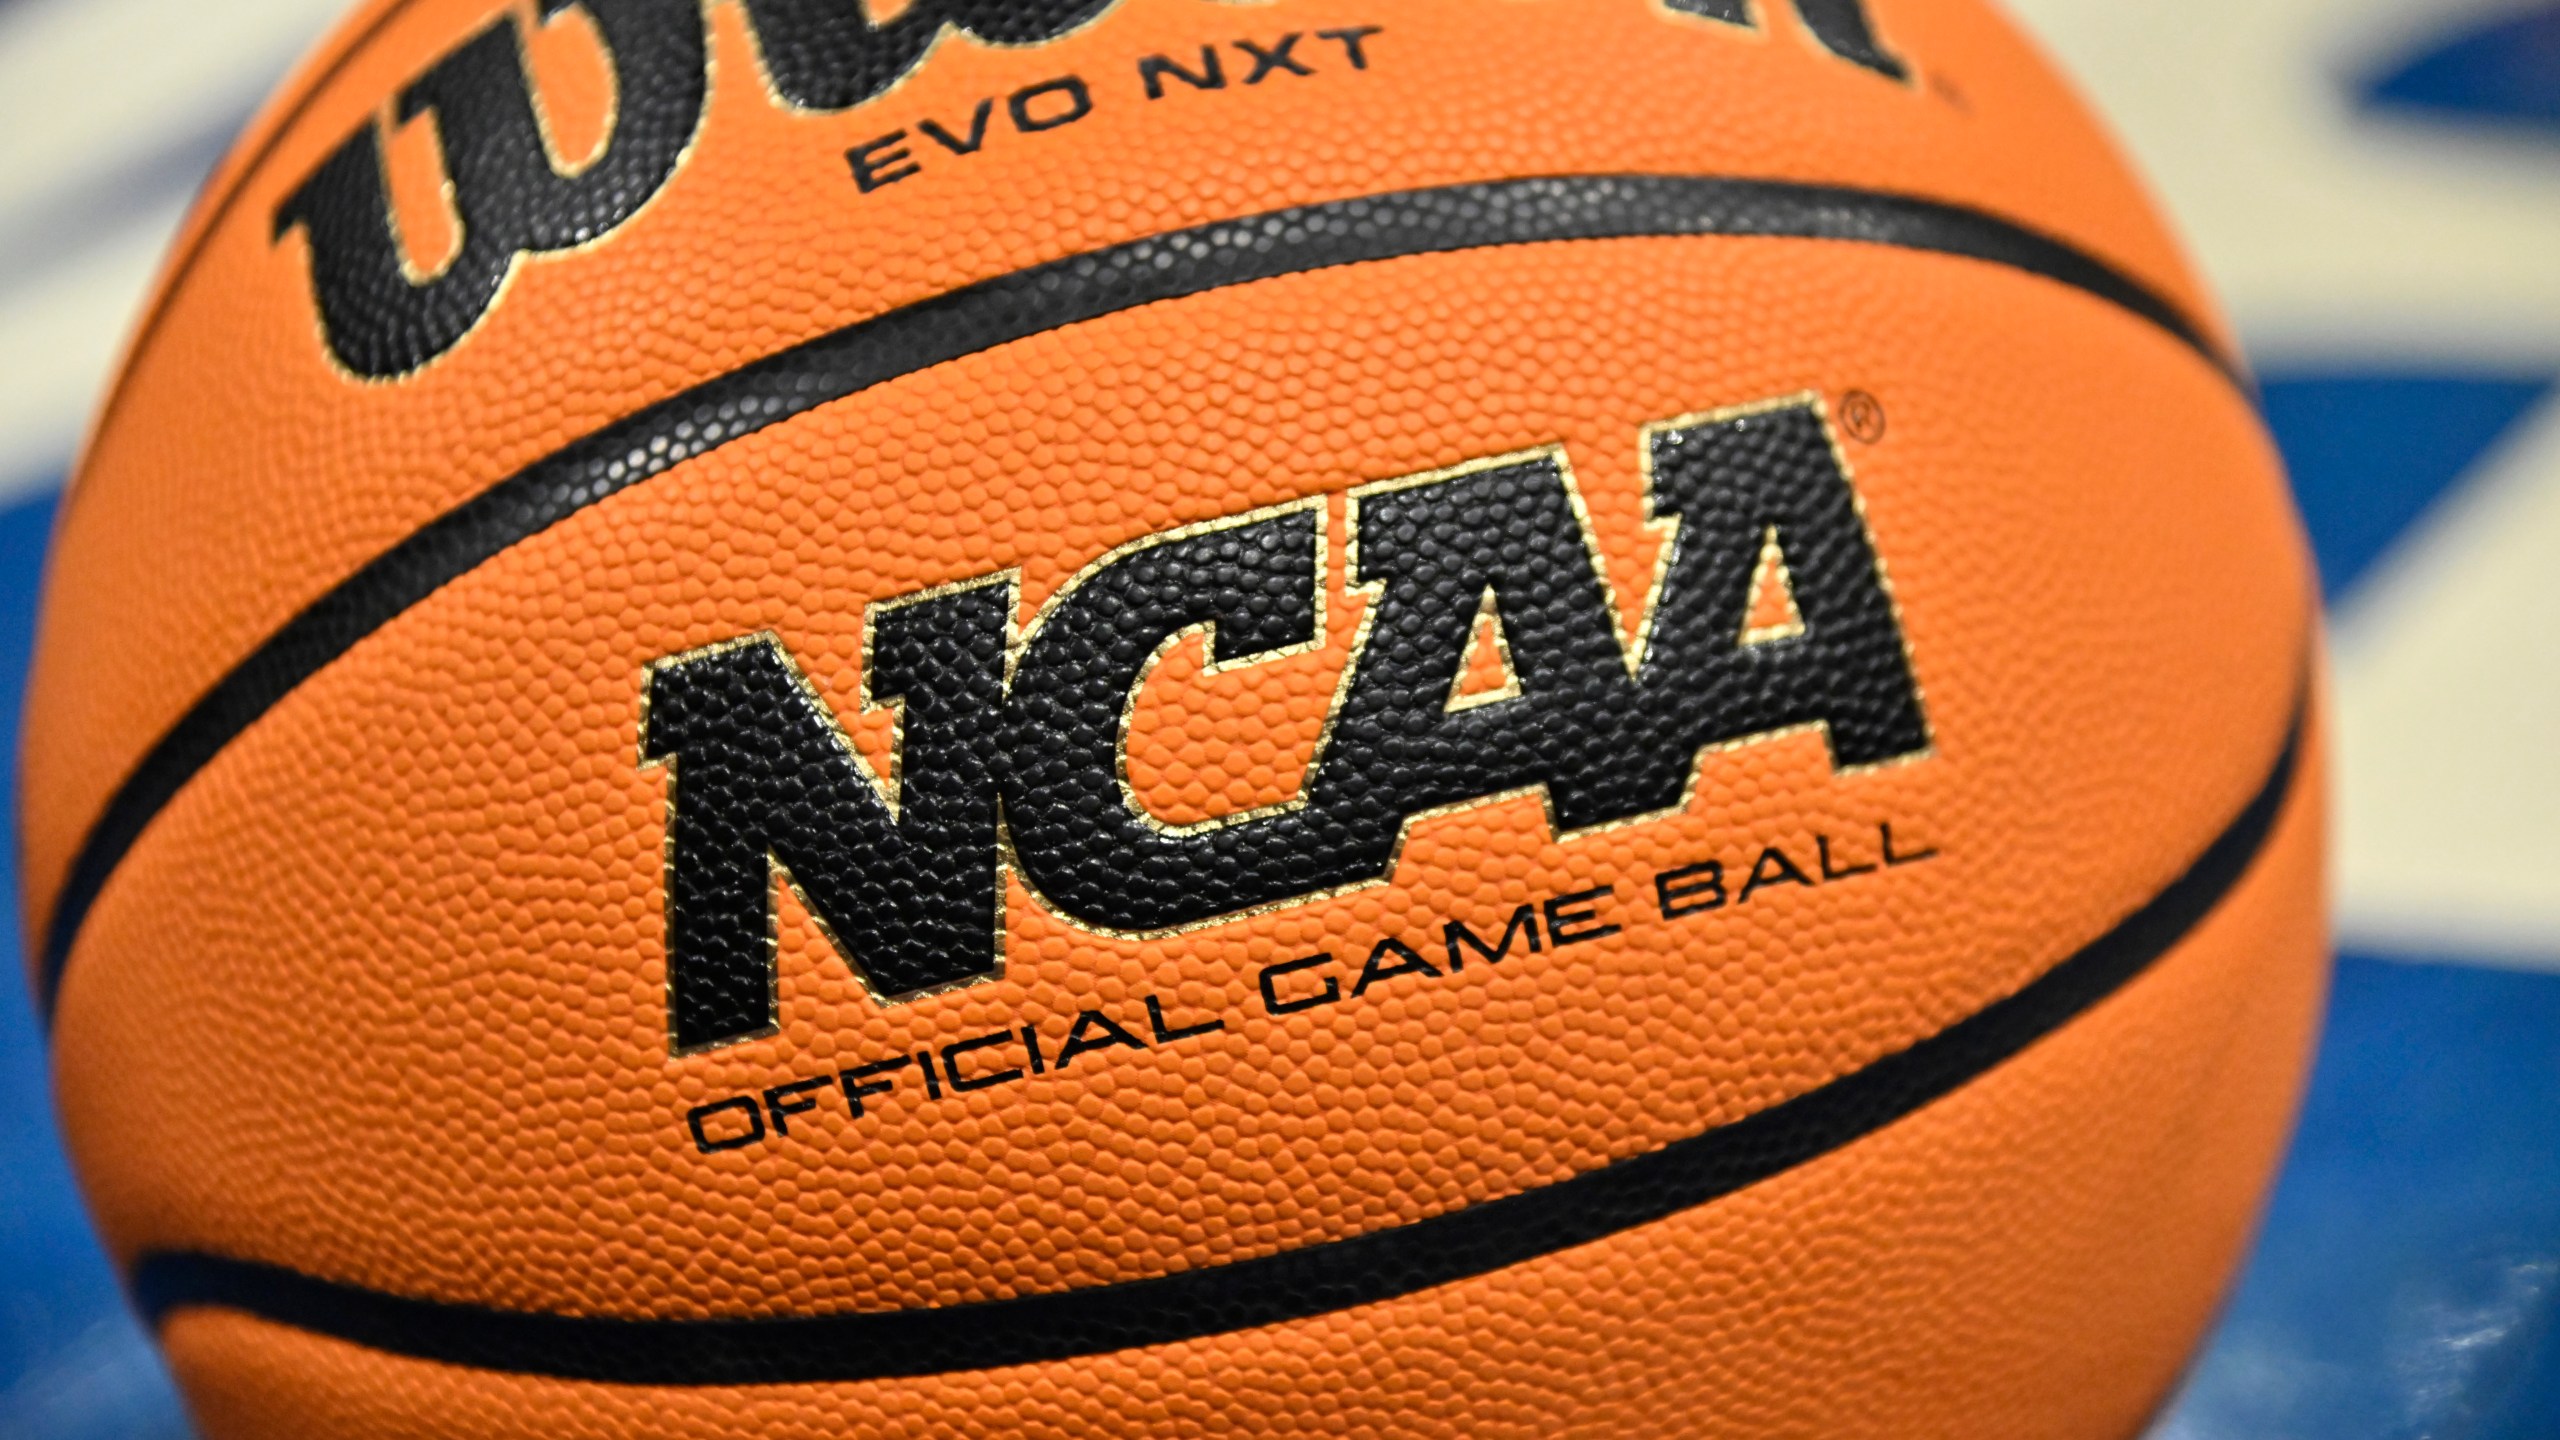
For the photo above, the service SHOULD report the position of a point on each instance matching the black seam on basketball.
(1012, 307)
(1269, 1289)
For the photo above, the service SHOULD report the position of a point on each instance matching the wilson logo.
(511, 196)
(1011, 748)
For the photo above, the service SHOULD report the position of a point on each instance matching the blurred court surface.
(2375, 186)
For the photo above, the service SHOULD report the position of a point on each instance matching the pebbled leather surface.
(372, 988)
(1706, 1324)
(1145, 271)
(1287, 1285)
(228, 564)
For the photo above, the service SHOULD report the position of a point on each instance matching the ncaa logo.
(1012, 749)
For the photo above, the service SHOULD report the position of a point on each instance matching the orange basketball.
(1141, 717)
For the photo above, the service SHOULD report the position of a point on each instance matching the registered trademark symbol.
(1862, 415)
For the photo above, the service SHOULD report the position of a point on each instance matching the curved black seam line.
(1016, 306)
(1269, 1289)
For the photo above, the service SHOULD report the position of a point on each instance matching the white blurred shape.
(2448, 688)
(2333, 234)
(110, 113)
(95, 88)
(60, 330)
(2325, 227)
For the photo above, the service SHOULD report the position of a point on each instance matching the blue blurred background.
(2375, 186)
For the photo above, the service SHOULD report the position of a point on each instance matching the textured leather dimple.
(509, 199)
(828, 57)
(228, 562)
(640, 446)
(2091, 694)
(369, 987)
(1706, 1325)
(1288, 1285)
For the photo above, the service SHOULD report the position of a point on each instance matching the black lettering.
(1772, 868)
(857, 1082)
(1079, 104)
(1280, 57)
(1077, 840)
(1730, 482)
(1893, 857)
(1408, 962)
(766, 784)
(702, 1138)
(977, 134)
(1524, 921)
(509, 193)
(1353, 40)
(784, 1101)
(1830, 872)
(1841, 27)
(952, 1052)
(830, 55)
(881, 162)
(1212, 74)
(1166, 1035)
(1031, 1046)
(932, 1081)
(1094, 1030)
(1271, 974)
(1690, 889)
(1574, 918)
(512, 197)
(1844, 30)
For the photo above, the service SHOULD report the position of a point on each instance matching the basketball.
(1486, 718)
